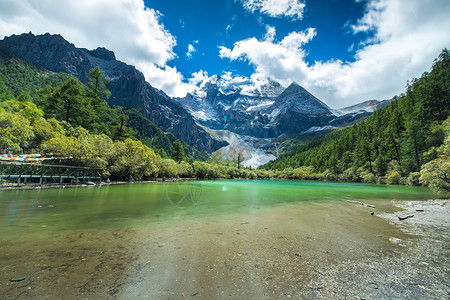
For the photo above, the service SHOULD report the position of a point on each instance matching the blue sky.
(207, 25)
(342, 51)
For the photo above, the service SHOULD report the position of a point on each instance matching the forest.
(44, 112)
(406, 142)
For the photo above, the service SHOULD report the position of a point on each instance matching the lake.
(228, 239)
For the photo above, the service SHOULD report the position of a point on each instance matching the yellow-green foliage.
(393, 177)
(15, 131)
(208, 170)
(132, 159)
(168, 168)
(87, 150)
(185, 170)
(436, 173)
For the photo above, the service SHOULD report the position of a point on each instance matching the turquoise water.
(122, 205)
(229, 239)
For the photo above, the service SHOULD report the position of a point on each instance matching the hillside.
(127, 85)
(23, 78)
(396, 141)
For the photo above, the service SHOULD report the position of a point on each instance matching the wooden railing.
(42, 173)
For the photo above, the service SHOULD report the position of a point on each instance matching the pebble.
(17, 279)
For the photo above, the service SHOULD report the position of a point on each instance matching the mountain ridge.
(262, 107)
(127, 85)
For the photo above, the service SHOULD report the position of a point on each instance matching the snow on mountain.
(217, 94)
(317, 128)
(366, 106)
(251, 148)
(250, 112)
(290, 97)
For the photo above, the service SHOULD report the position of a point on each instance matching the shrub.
(436, 175)
(349, 175)
(328, 175)
(368, 177)
(413, 179)
(393, 177)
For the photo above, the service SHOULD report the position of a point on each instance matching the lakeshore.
(331, 249)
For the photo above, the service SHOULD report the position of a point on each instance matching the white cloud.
(276, 8)
(199, 77)
(407, 36)
(270, 34)
(282, 61)
(134, 32)
(191, 49)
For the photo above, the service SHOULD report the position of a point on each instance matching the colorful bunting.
(33, 157)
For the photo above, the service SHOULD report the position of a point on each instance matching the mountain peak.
(102, 53)
(297, 98)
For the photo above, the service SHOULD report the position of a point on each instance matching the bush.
(168, 168)
(393, 177)
(233, 172)
(349, 175)
(328, 175)
(368, 177)
(403, 181)
(185, 170)
(436, 175)
(132, 159)
(413, 179)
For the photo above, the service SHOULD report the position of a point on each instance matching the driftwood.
(404, 218)
(362, 204)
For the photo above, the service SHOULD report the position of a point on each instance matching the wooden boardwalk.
(42, 173)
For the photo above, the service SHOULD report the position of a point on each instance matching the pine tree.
(177, 151)
(240, 159)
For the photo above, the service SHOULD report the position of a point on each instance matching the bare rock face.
(262, 108)
(296, 110)
(127, 85)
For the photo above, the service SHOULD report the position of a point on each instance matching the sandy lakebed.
(283, 252)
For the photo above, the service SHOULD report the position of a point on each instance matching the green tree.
(15, 132)
(121, 130)
(177, 151)
(97, 92)
(68, 103)
(5, 93)
(96, 83)
(240, 159)
(380, 165)
(162, 153)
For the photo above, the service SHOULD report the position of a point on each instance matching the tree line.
(68, 117)
(404, 142)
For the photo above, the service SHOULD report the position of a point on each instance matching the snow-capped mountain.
(256, 106)
(220, 94)
(296, 110)
(256, 109)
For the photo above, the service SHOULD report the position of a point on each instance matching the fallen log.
(404, 218)
(362, 204)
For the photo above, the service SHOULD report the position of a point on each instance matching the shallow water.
(221, 239)
(122, 205)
